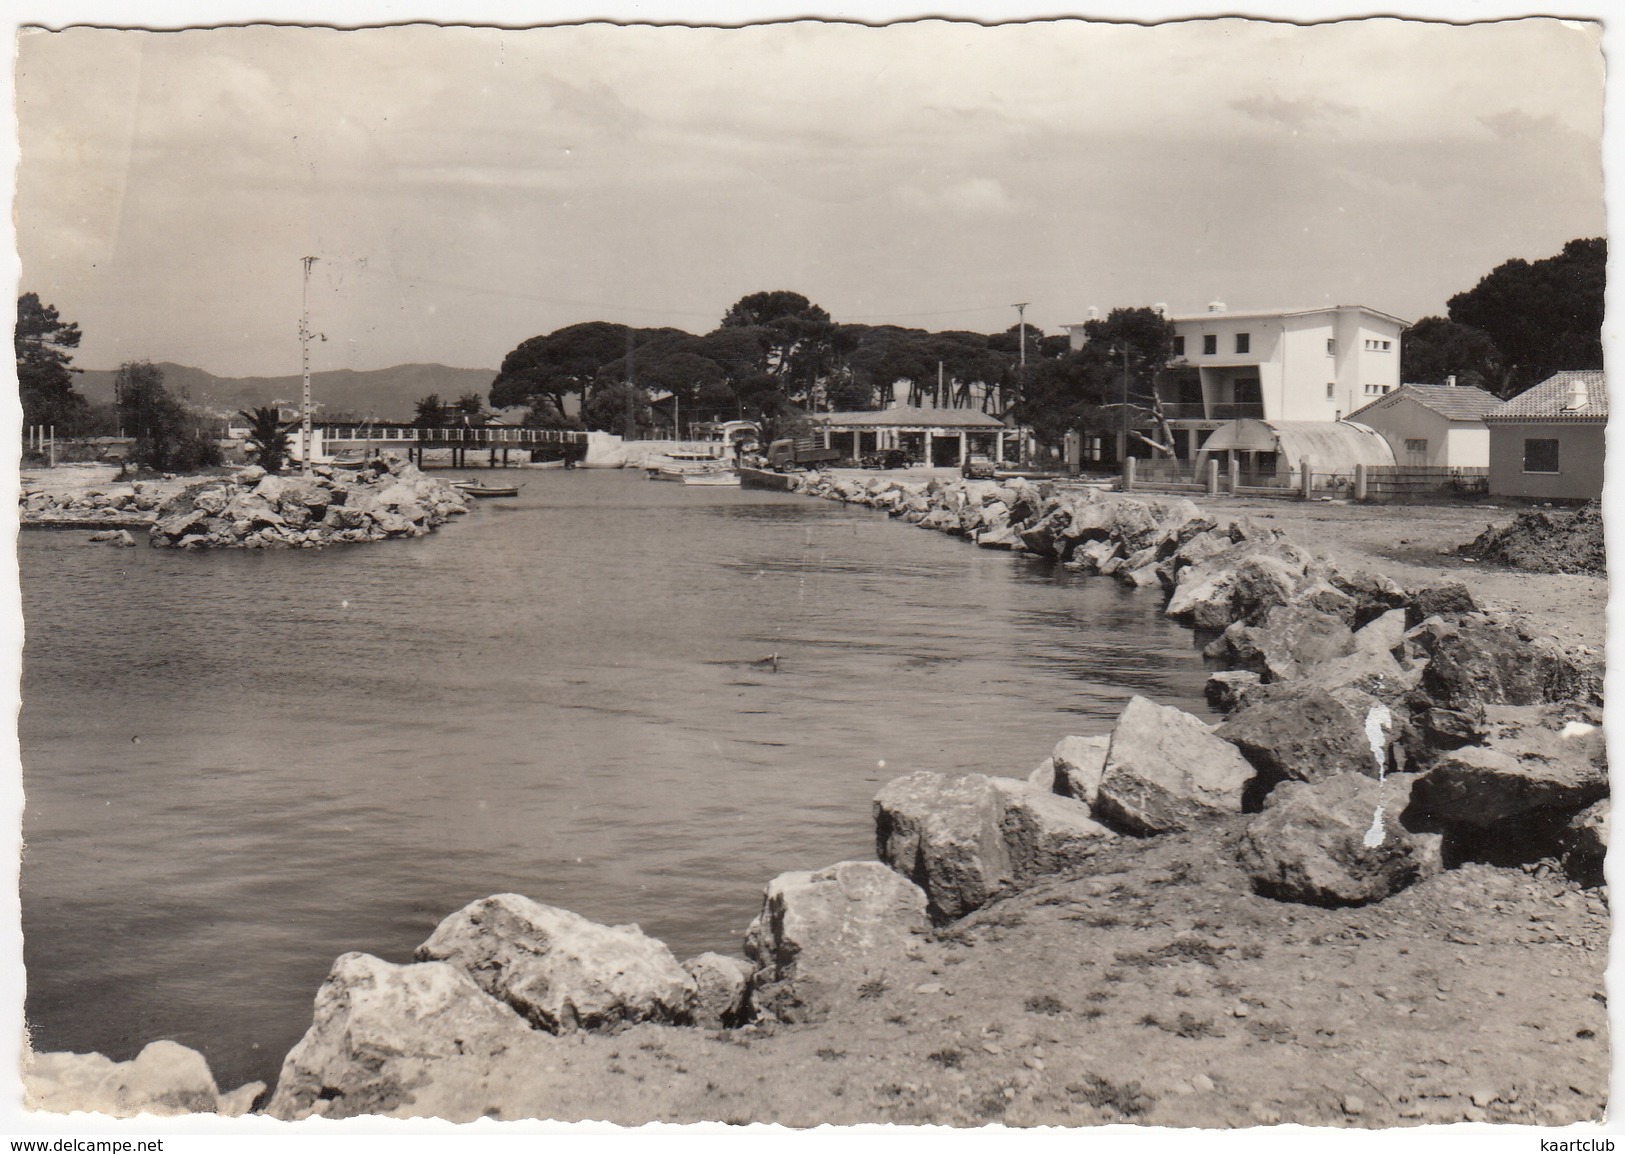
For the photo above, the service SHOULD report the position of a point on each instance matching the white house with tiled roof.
(1547, 443)
(1436, 425)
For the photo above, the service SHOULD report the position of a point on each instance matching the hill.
(387, 394)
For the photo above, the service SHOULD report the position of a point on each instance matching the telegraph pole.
(304, 349)
(1021, 353)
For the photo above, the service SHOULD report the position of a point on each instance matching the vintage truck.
(799, 453)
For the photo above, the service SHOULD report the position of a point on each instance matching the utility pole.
(1021, 353)
(304, 349)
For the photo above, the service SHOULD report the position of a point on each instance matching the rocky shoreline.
(253, 509)
(1380, 745)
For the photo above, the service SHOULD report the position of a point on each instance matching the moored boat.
(712, 479)
(479, 489)
(681, 469)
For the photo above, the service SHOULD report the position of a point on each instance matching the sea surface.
(240, 765)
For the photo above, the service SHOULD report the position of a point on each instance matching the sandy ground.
(1155, 989)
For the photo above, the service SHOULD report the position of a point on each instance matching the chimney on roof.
(1160, 308)
(1215, 306)
(1451, 380)
(1577, 395)
(1094, 313)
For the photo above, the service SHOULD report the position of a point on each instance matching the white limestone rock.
(559, 970)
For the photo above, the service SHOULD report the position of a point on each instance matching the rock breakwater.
(251, 509)
(259, 510)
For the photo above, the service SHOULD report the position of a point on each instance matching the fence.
(1376, 483)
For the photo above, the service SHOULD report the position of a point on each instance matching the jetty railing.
(460, 435)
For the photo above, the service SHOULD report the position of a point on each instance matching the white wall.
(1470, 446)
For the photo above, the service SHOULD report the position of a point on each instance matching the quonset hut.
(1272, 452)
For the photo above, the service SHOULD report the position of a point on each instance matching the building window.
(1331, 390)
(1210, 344)
(1377, 390)
(1244, 342)
(1540, 455)
(1331, 346)
(1372, 345)
(1386, 345)
(1416, 444)
(1179, 346)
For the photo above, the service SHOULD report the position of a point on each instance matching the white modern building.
(1317, 364)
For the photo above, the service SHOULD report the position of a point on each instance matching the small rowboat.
(476, 489)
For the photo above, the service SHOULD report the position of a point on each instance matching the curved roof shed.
(1330, 446)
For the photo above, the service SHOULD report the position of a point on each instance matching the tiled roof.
(1553, 397)
(1453, 403)
(912, 417)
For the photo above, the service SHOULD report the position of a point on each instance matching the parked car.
(887, 459)
(976, 465)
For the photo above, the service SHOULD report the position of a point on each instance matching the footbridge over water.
(495, 441)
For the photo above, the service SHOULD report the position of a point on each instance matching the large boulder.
(943, 833)
(252, 506)
(1300, 732)
(1165, 770)
(822, 933)
(397, 496)
(1450, 599)
(177, 525)
(166, 1079)
(721, 984)
(1585, 844)
(1373, 594)
(1532, 762)
(964, 840)
(1242, 582)
(212, 501)
(560, 971)
(308, 494)
(1079, 764)
(271, 487)
(411, 1041)
(1228, 688)
(1473, 661)
(1043, 832)
(1325, 844)
(1290, 641)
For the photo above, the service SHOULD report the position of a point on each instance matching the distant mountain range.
(387, 394)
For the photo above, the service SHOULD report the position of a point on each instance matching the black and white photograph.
(967, 569)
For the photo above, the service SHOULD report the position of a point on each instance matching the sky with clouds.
(466, 188)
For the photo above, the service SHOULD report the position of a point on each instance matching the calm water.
(239, 765)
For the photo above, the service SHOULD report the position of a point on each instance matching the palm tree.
(268, 437)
